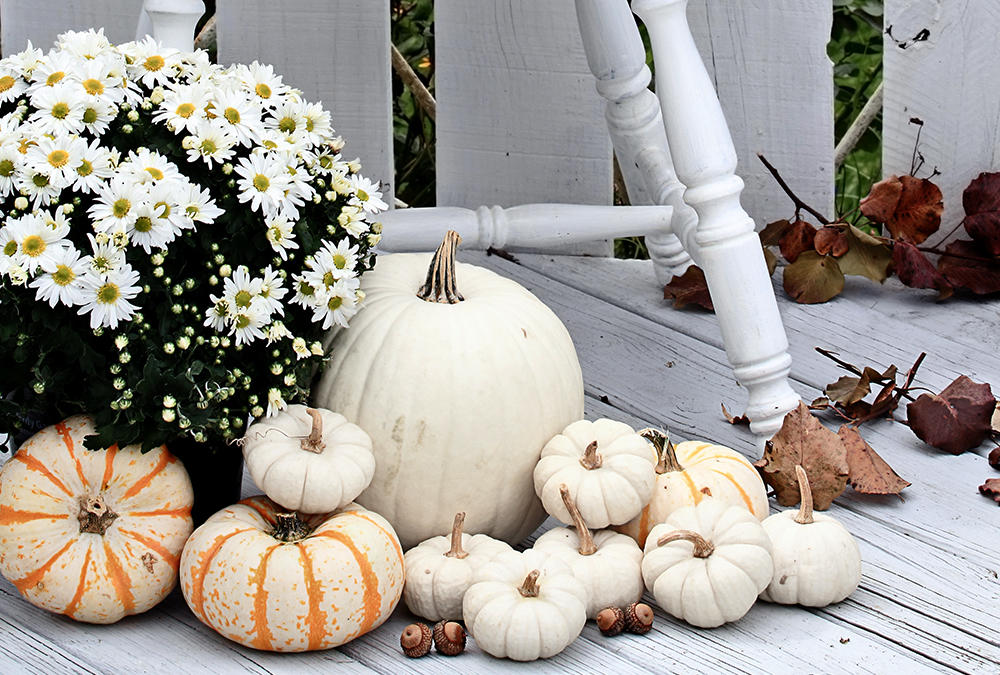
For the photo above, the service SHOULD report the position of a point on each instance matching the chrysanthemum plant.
(176, 238)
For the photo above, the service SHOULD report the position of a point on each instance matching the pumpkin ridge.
(144, 482)
(119, 579)
(35, 464)
(9, 516)
(315, 617)
(391, 535)
(372, 598)
(739, 488)
(109, 462)
(263, 637)
(31, 580)
(155, 546)
(200, 571)
(68, 440)
(74, 602)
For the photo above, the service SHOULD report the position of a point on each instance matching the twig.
(413, 82)
(858, 127)
(843, 364)
(208, 36)
(799, 204)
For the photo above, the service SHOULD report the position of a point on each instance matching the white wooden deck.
(930, 595)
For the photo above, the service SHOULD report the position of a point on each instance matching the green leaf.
(813, 278)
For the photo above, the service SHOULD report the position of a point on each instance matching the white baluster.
(729, 250)
(172, 22)
(618, 60)
(531, 226)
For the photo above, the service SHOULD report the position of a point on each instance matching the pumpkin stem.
(587, 545)
(314, 441)
(805, 515)
(591, 458)
(702, 547)
(288, 527)
(441, 273)
(95, 517)
(664, 450)
(456, 550)
(529, 589)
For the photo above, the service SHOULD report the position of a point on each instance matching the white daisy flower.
(38, 185)
(262, 182)
(317, 123)
(281, 235)
(340, 303)
(98, 113)
(114, 209)
(183, 107)
(300, 348)
(212, 142)
(58, 156)
(240, 289)
(260, 80)
(92, 168)
(106, 296)
(306, 294)
(12, 85)
(59, 109)
(218, 315)
(323, 162)
(163, 196)
(88, 44)
(60, 280)
(149, 230)
(333, 263)
(151, 63)
(52, 69)
(272, 291)
(277, 331)
(148, 165)
(11, 162)
(289, 118)
(366, 194)
(106, 257)
(352, 219)
(239, 114)
(247, 322)
(275, 403)
(38, 245)
(25, 61)
(199, 206)
(97, 80)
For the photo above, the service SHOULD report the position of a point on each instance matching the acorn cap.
(449, 638)
(416, 640)
(611, 621)
(638, 618)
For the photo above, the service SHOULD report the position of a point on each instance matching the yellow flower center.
(54, 77)
(25, 144)
(154, 172)
(335, 303)
(108, 294)
(185, 110)
(287, 124)
(143, 224)
(121, 208)
(40, 180)
(33, 245)
(58, 158)
(153, 63)
(165, 208)
(328, 279)
(89, 116)
(6, 82)
(208, 147)
(85, 168)
(101, 263)
(242, 320)
(269, 144)
(362, 195)
(232, 115)
(60, 110)
(340, 261)
(242, 298)
(93, 86)
(261, 182)
(192, 211)
(63, 275)
(6, 168)
(263, 90)
(306, 289)
(10, 248)
(309, 124)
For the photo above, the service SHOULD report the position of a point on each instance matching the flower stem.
(456, 550)
(441, 273)
(587, 545)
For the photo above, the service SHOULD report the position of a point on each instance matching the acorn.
(416, 640)
(611, 621)
(449, 638)
(638, 618)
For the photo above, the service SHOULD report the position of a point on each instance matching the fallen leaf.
(848, 389)
(771, 260)
(916, 271)
(869, 473)
(957, 419)
(813, 278)
(820, 403)
(689, 288)
(995, 422)
(965, 266)
(981, 201)
(994, 458)
(910, 207)
(739, 420)
(773, 232)
(803, 440)
(866, 256)
(831, 240)
(991, 488)
(880, 204)
(796, 240)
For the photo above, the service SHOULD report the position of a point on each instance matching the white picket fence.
(519, 120)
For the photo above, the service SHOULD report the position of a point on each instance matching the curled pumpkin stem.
(587, 545)
(288, 527)
(591, 458)
(529, 589)
(314, 441)
(805, 514)
(456, 550)
(441, 273)
(665, 451)
(702, 547)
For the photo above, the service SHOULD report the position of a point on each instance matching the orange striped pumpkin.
(261, 577)
(689, 471)
(92, 535)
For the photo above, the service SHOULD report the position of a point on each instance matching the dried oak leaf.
(796, 240)
(910, 207)
(689, 288)
(849, 389)
(994, 458)
(737, 420)
(964, 265)
(981, 201)
(772, 232)
(813, 278)
(869, 473)
(831, 240)
(866, 256)
(803, 440)
(991, 488)
(957, 419)
(916, 271)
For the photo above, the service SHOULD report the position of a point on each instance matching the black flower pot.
(216, 475)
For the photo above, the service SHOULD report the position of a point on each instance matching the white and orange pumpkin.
(92, 535)
(267, 579)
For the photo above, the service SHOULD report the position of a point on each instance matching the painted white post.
(729, 250)
(172, 22)
(618, 60)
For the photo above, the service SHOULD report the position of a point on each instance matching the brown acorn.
(416, 640)
(449, 638)
(611, 621)
(638, 618)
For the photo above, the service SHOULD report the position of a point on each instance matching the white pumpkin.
(816, 560)
(708, 563)
(458, 398)
(609, 469)
(441, 569)
(309, 460)
(525, 606)
(607, 564)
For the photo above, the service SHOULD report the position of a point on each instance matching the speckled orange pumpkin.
(264, 578)
(92, 535)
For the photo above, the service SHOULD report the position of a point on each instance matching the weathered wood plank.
(775, 82)
(518, 118)
(941, 67)
(42, 20)
(336, 52)
(24, 651)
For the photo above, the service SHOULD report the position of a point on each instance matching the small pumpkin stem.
(529, 589)
(587, 545)
(95, 517)
(591, 458)
(288, 527)
(664, 450)
(441, 273)
(314, 441)
(702, 547)
(456, 550)
(805, 515)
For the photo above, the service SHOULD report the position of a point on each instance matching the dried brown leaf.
(981, 201)
(916, 271)
(803, 440)
(991, 489)
(737, 420)
(813, 278)
(773, 232)
(796, 240)
(831, 240)
(849, 389)
(910, 207)
(994, 458)
(880, 204)
(995, 422)
(771, 260)
(869, 473)
(820, 403)
(689, 288)
(965, 266)
(957, 419)
(866, 256)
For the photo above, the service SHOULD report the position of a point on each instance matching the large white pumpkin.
(458, 397)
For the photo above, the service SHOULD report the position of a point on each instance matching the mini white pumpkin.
(816, 560)
(607, 564)
(440, 570)
(525, 606)
(308, 459)
(708, 563)
(608, 467)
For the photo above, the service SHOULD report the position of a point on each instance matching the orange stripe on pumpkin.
(701, 447)
(28, 582)
(262, 511)
(739, 488)
(372, 598)
(316, 618)
(391, 535)
(695, 492)
(200, 570)
(172, 513)
(263, 637)
(109, 463)
(143, 482)
(9, 516)
(68, 440)
(155, 546)
(35, 464)
(80, 588)
(644, 526)
(120, 580)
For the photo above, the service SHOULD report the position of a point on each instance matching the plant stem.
(441, 273)
(702, 547)
(665, 451)
(529, 589)
(456, 550)
(591, 458)
(288, 527)
(587, 545)
(314, 441)
(94, 516)
(805, 515)
(799, 204)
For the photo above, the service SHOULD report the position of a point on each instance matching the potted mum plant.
(175, 239)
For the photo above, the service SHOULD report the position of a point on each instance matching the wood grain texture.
(336, 52)
(951, 81)
(769, 64)
(42, 20)
(519, 120)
